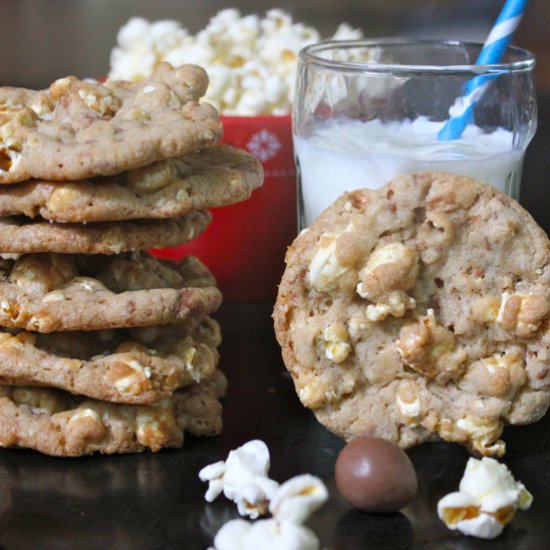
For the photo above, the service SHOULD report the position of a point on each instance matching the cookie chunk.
(110, 365)
(60, 424)
(54, 292)
(420, 311)
(216, 176)
(77, 129)
(19, 235)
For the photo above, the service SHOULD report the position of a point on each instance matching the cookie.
(60, 424)
(54, 292)
(78, 129)
(419, 311)
(216, 176)
(19, 235)
(110, 365)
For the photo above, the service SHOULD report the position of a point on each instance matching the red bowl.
(245, 244)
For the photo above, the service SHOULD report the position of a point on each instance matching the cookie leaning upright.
(419, 311)
(77, 129)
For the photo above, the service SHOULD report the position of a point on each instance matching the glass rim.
(310, 55)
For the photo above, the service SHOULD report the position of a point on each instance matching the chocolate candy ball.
(375, 475)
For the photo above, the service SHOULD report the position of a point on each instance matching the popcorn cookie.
(19, 235)
(60, 424)
(52, 292)
(110, 365)
(216, 176)
(78, 129)
(419, 311)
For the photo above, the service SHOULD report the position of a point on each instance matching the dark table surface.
(152, 501)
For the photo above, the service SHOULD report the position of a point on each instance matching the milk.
(345, 155)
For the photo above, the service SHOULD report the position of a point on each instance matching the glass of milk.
(367, 111)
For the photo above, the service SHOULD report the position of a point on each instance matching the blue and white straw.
(493, 50)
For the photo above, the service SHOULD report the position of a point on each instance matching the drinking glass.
(367, 111)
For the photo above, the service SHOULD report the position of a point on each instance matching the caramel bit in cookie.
(155, 426)
(130, 377)
(8, 310)
(496, 376)
(85, 425)
(12, 118)
(429, 348)
(337, 346)
(521, 314)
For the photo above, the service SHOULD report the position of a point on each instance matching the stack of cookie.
(102, 346)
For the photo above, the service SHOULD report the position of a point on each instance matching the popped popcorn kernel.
(481, 435)
(324, 270)
(396, 304)
(251, 61)
(337, 346)
(486, 501)
(290, 504)
(430, 348)
(389, 268)
(408, 403)
(521, 314)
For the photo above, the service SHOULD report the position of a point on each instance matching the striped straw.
(462, 111)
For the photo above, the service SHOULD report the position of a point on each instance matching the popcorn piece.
(485, 309)
(86, 424)
(251, 62)
(396, 304)
(245, 466)
(267, 534)
(297, 498)
(408, 403)
(153, 426)
(487, 499)
(324, 269)
(131, 377)
(521, 314)
(337, 346)
(429, 348)
(213, 473)
(356, 326)
(290, 504)
(483, 434)
(496, 376)
(389, 268)
(253, 498)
